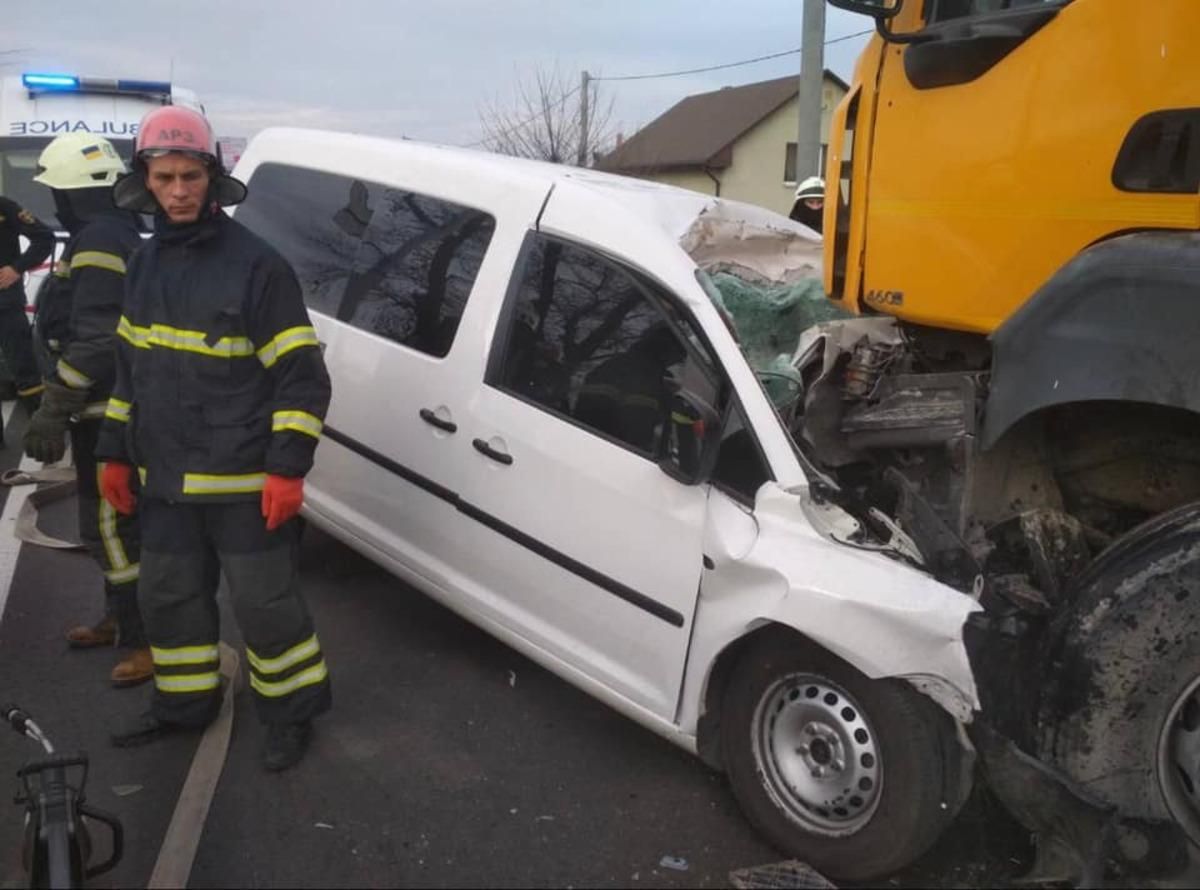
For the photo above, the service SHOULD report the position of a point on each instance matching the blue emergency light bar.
(50, 81)
(69, 83)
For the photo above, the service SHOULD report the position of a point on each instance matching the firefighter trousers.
(186, 547)
(16, 341)
(110, 538)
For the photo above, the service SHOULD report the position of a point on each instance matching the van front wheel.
(848, 774)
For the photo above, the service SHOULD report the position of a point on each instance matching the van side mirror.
(689, 443)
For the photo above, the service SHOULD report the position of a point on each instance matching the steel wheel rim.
(1179, 760)
(817, 754)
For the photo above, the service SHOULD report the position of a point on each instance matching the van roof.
(673, 209)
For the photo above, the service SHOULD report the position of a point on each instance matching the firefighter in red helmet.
(218, 406)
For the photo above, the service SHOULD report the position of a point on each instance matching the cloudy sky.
(406, 68)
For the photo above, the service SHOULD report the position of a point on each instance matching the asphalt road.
(448, 761)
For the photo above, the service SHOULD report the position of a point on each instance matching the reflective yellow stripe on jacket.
(71, 377)
(117, 410)
(285, 342)
(167, 337)
(300, 421)
(98, 259)
(212, 483)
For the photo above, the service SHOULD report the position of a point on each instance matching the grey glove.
(46, 435)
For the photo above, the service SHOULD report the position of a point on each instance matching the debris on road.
(126, 790)
(677, 863)
(789, 875)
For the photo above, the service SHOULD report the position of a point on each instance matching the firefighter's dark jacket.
(16, 221)
(80, 307)
(220, 377)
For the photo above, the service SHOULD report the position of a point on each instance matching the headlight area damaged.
(910, 554)
(877, 613)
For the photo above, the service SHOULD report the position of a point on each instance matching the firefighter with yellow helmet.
(78, 313)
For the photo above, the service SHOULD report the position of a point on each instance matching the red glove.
(114, 486)
(281, 499)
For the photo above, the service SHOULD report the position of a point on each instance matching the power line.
(790, 52)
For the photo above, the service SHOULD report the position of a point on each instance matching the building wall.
(688, 179)
(757, 171)
(756, 174)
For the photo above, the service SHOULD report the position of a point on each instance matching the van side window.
(307, 217)
(593, 342)
(396, 264)
(415, 268)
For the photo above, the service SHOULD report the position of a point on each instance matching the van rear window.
(395, 263)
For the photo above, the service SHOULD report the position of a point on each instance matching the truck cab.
(997, 140)
(1012, 212)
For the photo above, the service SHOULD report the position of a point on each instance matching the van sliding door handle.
(432, 419)
(488, 451)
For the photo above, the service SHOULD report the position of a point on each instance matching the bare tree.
(543, 122)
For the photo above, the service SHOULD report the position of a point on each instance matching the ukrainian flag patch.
(91, 152)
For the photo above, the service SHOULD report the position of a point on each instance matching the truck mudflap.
(1095, 692)
(1080, 838)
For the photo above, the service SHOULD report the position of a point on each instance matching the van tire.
(887, 758)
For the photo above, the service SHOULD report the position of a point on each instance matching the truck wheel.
(851, 775)
(1123, 717)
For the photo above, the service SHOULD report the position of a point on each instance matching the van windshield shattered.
(764, 275)
(18, 166)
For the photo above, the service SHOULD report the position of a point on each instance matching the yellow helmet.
(79, 161)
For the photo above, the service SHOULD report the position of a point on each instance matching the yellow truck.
(1013, 218)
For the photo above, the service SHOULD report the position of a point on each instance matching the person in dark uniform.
(809, 206)
(78, 311)
(219, 403)
(16, 338)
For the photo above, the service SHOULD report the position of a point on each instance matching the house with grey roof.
(736, 142)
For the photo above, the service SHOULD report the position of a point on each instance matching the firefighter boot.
(147, 728)
(286, 744)
(137, 668)
(84, 637)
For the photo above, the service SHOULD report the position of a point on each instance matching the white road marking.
(10, 546)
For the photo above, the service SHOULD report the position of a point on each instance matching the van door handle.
(432, 419)
(488, 451)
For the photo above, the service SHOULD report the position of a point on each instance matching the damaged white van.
(543, 418)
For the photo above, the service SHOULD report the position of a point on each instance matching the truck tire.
(1122, 716)
(856, 777)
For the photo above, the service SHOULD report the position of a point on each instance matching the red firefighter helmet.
(174, 129)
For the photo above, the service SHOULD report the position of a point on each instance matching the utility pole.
(812, 83)
(581, 159)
